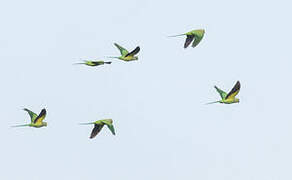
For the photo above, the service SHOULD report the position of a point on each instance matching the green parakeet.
(196, 35)
(36, 120)
(125, 55)
(94, 63)
(98, 125)
(230, 97)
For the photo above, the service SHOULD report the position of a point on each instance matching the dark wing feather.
(134, 52)
(188, 40)
(234, 89)
(41, 116)
(97, 63)
(97, 128)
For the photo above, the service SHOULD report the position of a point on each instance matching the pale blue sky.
(164, 130)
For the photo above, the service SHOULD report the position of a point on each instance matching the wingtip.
(238, 84)
(44, 111)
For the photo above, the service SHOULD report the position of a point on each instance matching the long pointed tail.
(78, 63)
(112, 57)
(85, 123)
(80, 59)
(23, 125)
(212, 102)
(176, 35)
(109, 62)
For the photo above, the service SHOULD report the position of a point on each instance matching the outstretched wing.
(122, 50)
(97, 63)
(234, 91)
(197, 40)
(41, 116)
(32, 115)
(188, 41)
(97, 128)
(110, 126)
(221, 92)
(134, 52)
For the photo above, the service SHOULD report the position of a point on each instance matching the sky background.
(164, 130)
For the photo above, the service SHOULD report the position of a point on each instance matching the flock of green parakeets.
(194, 36)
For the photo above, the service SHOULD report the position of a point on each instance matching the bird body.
(125, 54)
(195, 35)
(230, 101)
(36, 120)
(98, 125)
(230, 97)
(94, 63)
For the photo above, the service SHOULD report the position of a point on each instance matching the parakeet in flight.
(98, 125)
(94, 63)
(196, 35)
(125, 55)
(230, 97)
(36, 120)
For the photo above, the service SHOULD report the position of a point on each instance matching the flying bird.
(98, 125)
(230, 97)
(196, 35)
(36, 120)
(126, 55)
(94, 63)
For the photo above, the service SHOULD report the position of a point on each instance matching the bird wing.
(110, 126)
(41, 116)
(234, 91)
(97, 128)
(32, 115)
(134, 52)
(188, 41)
(197, 40)
(221, 92)
(96, 63)
(122, 50)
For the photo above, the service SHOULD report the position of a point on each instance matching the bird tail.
(78, 63)
(112, 57)
(23, 125)
(176, 35)
(85, 123)
(212, 102)
(109, 62)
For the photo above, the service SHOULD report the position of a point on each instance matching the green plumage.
(98, 125)
(230, 97)
(94, 63)
(125, 54)
(195, 35)
(35, 120)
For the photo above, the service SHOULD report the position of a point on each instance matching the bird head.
(110, 120)
(200, 32)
